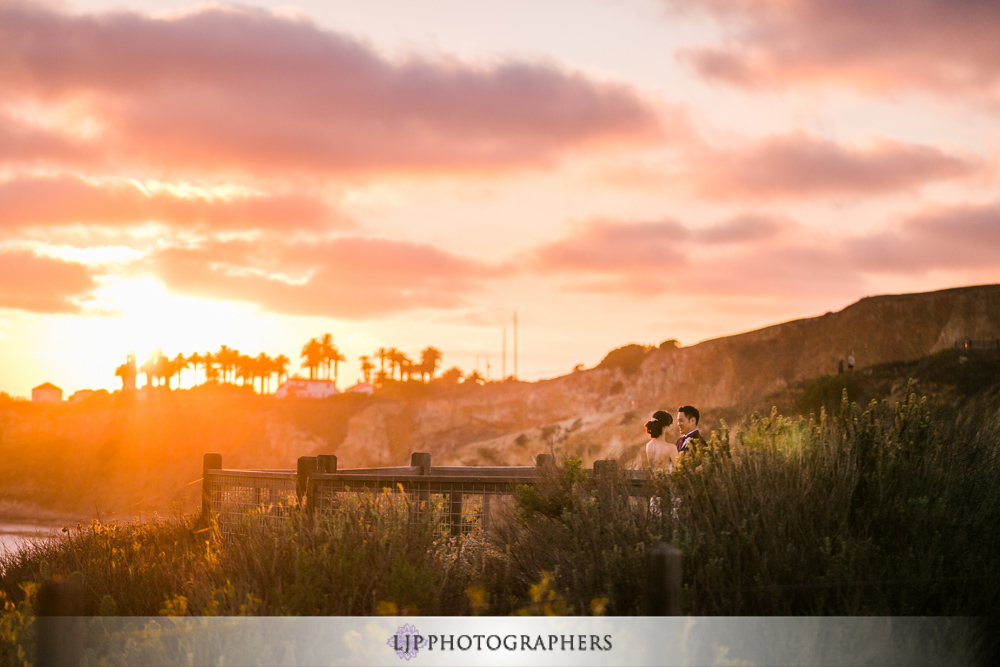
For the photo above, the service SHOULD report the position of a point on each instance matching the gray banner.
(295, 641)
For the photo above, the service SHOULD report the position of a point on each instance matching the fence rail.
(970, 344)
(317, 483)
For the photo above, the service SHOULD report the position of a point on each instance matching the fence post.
(58, 610)
(326, 463)
(303, 473)
(209, 462)
(663, 580)
(422, 460)
(605, 469)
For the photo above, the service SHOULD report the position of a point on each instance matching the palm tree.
(179, 363)
(211, 370)
(162, 368)
(227, 357)
(264, 366)
(244, 369)
(326, 350)
(382, 354)
(281, 366)
(195, 360)
(336, 357)
(366, 368)
(209, 361)
(395, 357)
(430, 358)
(312, 353)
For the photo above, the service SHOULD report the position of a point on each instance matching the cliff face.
(715, 373)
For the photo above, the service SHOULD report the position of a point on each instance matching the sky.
(404, 174)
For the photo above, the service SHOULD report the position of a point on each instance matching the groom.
(687, 423)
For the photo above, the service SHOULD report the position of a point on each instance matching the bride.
(660, 452)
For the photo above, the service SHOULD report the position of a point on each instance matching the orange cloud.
(247, 90)
(800, 165)
(42, 284)
(64, 200)
(936, 45)
(346, 277)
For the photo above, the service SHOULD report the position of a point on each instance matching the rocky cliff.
(599, 411)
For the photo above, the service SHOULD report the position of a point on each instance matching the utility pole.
(503, 364)
(515, 345)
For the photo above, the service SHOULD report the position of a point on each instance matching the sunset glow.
(181, 176)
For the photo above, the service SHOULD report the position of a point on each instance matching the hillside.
(484, 424)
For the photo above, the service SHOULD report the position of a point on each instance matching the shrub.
(628, 358)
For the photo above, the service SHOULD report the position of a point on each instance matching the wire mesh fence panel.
(465, 499)
(235, 494)
(464, 505)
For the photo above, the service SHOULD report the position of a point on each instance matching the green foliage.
(870, 512)
(586, 533)
(17, 635)
(628, 358)
(824, 393)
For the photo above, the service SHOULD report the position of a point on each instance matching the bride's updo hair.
(659, 421)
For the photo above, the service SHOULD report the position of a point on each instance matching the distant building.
(127, 373)
(81, 395)
(299, 388)
(46, 393)
(360, 388)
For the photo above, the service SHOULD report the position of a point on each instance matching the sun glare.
(149, 318)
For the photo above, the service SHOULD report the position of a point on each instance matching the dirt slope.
(483, 424)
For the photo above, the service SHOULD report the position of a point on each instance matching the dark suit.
(690, 442)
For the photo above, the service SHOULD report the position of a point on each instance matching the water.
(15, 536)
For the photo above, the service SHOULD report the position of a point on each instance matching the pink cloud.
(54, 201)
(346, 277)
(244, 89)
(614, 246)
(762, 256)
(956, 238)
(41, 284)
(22, 144)
(800, 165)
(646, 252)
(937, 45)
(743, 229)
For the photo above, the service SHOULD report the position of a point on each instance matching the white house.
(360, 388)
(46, 393)
(299, 388)
(81, 395)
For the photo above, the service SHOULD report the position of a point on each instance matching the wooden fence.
(970, 344)
(228, 495)
(467, 492)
